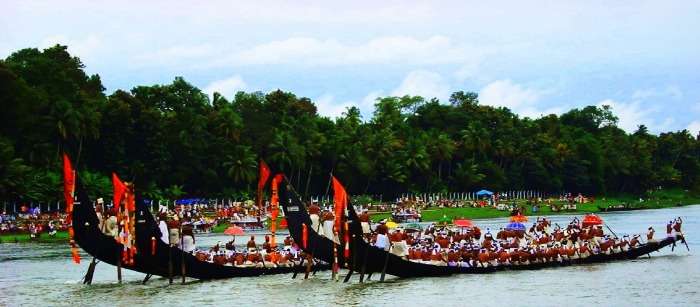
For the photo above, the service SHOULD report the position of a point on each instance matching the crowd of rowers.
(541, 243)
(267, 255)
(468, 247)
(252, 256)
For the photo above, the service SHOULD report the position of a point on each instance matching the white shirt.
(164, 234)
(382, 242)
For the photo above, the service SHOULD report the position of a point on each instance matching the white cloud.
(82, 47)
(505, 93)
(519, 99)
(174, 54)
(633, 114)
(671, 91)
(694, 128)
(327, 106)
(227, 87)
(469, 70)
(383, 50)
(423, 83)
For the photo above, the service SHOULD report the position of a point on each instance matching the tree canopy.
(173, 140)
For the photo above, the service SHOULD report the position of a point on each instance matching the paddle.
(364, 265)
(262, 258)
(354, 262)
(119, 268)
(170, 264)
(614, 234)
(145, 279)
(182, 254)
(90, 272)
(684, 242)
(296, 268)
(386, 262)
(91, 269)
(309, 260)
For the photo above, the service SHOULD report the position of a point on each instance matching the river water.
(35, 274)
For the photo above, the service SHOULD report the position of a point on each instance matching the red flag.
(264, 174)
(130, 198)
(304, 236)
(274, 202)
(68, 193)
(119, 190)
(68, 184)
(340, 201)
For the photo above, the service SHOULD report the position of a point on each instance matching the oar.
(614, 234)
(145, 279)
(684, 242)
(119, 268)
(309, 261)
(364, 265)
(90, 272)
(297, 267)
(170, 264)
(91, 269)
(262, 258)
(301, 265)
(350, 270)
(386, 262)
(354, 262)
(182, 255)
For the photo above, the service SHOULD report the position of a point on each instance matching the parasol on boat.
(591, 220)
(463, 223)
(519, 218)
(234, 231)
(515, 226)
(391, 224)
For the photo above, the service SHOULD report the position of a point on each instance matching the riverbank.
(656, 200)
(60, 237)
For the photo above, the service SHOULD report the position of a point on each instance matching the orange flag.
(264, 174)
(119, 190)
(68, 192)
(340, 201)
(274, 204)
(68, 185)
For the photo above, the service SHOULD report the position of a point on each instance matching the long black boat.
(163, 260)
(366, 258)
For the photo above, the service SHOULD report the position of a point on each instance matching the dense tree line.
(173, 141)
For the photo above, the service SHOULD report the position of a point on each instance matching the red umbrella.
(518, 218)
(463, 223)
(234, 231)
(591, 220)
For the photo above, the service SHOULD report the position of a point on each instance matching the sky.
(534, 57)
